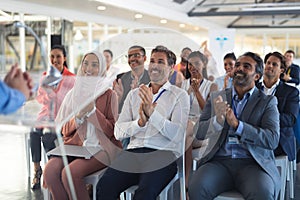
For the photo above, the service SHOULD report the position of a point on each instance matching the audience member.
(292, 74)
(51, 99)
(199, 89)
(111, 70)
(131, 79)
(288, 102)
(225, 81)
(14, 90)
(155, 118)
(181, 67)
(92, 126)
(175, 78)
(241, 125)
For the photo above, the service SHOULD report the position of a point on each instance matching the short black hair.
(259, 67)
(142, 49)
(230, 56)
(165, 50)
(290, 51)
(109, 51)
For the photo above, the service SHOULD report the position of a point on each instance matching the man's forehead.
(134, 50)
(246, 59)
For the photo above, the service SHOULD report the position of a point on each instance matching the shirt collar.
(165, 86)
(273, 86)
(247, 95)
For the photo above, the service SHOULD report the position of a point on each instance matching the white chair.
(282, 163)
(230, 195)
(290, 176)
(93, 179)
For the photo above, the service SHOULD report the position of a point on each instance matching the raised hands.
(118, 88)
(223, 111)
(146, 106)
(19, 80)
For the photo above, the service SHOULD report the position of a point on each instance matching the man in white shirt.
(155, 117)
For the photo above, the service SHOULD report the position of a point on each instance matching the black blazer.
(288, 107)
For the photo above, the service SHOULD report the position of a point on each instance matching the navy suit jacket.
(294, 74)
(260, 134)
(288, 107)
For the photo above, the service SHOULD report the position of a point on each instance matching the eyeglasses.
(135, 55)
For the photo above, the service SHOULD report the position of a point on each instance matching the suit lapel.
(250, 105)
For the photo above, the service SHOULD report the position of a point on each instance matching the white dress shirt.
(166, 127)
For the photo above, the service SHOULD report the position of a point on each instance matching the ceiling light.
(78, 35)
(196, 28)
(138, 16)
(181, 25)
(101, 8)
(163, 21)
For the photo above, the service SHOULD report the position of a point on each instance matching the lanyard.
(159, 95)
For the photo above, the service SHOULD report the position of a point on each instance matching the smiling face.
(244, 72)
(90, 65)
(195, 67)
(57, 59)
(136, 59)
(273, 68)
(159, 69)
(229, 66)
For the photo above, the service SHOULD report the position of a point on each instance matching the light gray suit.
(260, 133)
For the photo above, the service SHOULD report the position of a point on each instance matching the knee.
(49, 176)
(148, 191)
(197, 190)
(261, 194)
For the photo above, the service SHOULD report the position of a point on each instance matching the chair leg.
(94, 191)
(291, 176)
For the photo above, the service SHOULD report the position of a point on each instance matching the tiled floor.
(15, 185)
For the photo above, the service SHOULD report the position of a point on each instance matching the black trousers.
(151, 182)
(36, 137)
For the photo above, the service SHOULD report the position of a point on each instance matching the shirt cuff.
(217, 126)
(240, 128)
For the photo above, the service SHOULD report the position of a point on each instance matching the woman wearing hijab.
(88, 114)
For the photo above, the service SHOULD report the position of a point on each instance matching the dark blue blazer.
(294, 74)
(288, 107)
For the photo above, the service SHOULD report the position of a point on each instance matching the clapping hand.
(19, 80)
(147, 107)
(118, 88)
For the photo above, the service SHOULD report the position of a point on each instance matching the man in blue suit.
(241, 126)
(288, 102)
(292, 73)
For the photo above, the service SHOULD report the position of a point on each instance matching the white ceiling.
(121, 13)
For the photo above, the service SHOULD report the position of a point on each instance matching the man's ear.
(257, 76)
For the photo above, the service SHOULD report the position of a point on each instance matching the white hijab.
(85, 90)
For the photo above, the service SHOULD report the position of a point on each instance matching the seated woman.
(91, 126)
(199, 89)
